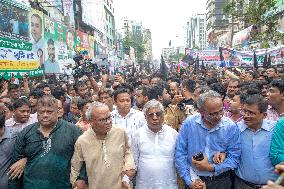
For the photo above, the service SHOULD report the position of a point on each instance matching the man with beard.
(173, 115)
(50, 65)
(124, 116)
(48, 146)
(33, 98)
(256, 134)
(200, 137)
(187, 104)
(141, 96)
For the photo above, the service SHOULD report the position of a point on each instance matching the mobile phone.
(198, 157)
(280, 179)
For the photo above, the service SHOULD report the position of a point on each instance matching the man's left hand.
(17, 169)
(203, 165)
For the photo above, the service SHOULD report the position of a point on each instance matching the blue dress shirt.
(194, 137)
(255, 165)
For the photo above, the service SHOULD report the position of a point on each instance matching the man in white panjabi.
(153, 149)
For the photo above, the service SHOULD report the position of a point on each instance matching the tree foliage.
(254, 13)
(136, 43)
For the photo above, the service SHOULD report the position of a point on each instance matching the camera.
(84, 67)
(198, 157)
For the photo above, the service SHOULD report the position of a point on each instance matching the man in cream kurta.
(105, 150)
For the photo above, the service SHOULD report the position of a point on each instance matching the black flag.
(264, 65)
(133, 69)
(163, 68)
(221, 54)
(255, 63)
(269, 62)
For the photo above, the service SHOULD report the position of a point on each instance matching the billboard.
(55, 46)
(232, 58)
(18, 59)
(37, 34)
(14, 22)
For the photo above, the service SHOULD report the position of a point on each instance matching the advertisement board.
(14, 22)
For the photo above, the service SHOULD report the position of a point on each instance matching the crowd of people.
(212, 128)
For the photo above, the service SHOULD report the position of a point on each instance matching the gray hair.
(205, 96)
(153, 104)
(94, 105)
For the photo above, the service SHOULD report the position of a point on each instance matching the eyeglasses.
(215, 114)
(104, 120)
(157, 114)
(247, 113)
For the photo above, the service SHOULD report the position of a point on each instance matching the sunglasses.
(157, 114)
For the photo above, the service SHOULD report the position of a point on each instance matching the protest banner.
(18, 59)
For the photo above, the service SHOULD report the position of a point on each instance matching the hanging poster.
(55, 46)
(18, 59)
(14, 22)
(37, 34)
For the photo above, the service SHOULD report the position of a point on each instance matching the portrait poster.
(55, 46)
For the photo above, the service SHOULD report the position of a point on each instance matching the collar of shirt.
(132, 111)
(12, 122)
(92, 132)
(56, 127)
(7, 134)
(267, 125)
(201, 123)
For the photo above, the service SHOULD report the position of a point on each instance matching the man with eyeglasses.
(255, 167)
(105, 150)
(153, 150)
(200, 137)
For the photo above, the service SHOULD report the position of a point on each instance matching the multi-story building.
(109, 23)
(196, 32)
(217, 22)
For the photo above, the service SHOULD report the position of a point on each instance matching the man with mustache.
(105, 150)
(48, 146)
(51, 65)
(153, 150)
(205, 134)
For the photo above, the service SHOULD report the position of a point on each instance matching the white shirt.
(18, 127)
(134, 120)
(154, 155)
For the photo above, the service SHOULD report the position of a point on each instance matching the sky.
(165, 18)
